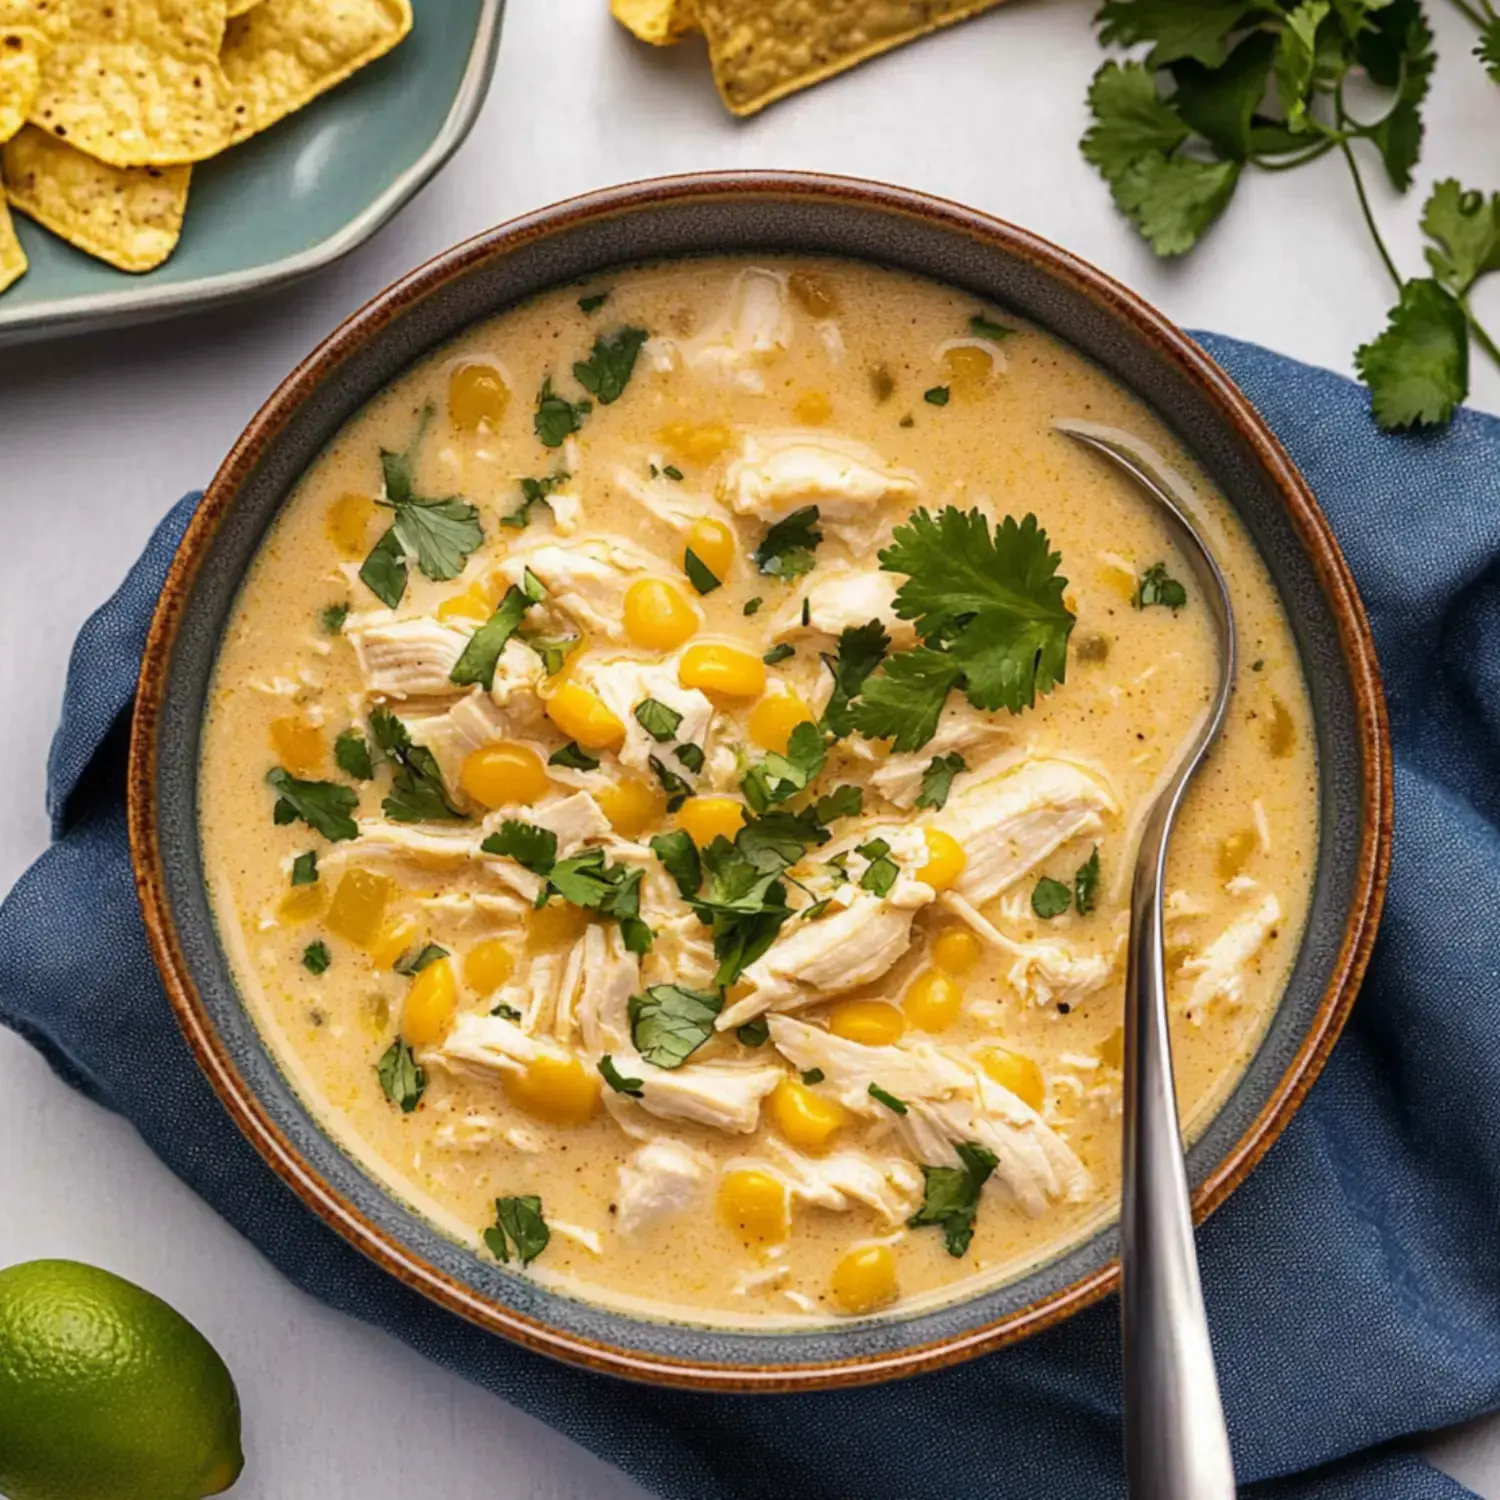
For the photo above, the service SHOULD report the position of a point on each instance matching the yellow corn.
(754, 1205)
(488, 965)
(933, 1001)
(477, 397)
(560, 1091)
(1016, 1072)
(712, 543)
(708, 818)
(657, 616)
(773, 719)
(956, 950)
(585, 717)
(945, 860)
(805, 1118)
(864, 1280)
(631, 805)
(722, 671)
(298, 745)
(872, 1022)
(430, 1005)
(503, 774)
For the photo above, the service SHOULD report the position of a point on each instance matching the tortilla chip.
(130, 216)
(239, 7)
(12, 256)
(285, 52)
(659, 22)
(21, 52)
(137, 82)
(763, 49)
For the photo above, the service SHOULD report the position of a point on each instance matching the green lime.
(106, 1393)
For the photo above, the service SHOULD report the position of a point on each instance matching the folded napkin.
(1352, 1282)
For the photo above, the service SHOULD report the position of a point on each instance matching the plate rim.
(135, 302)
(1369, 723)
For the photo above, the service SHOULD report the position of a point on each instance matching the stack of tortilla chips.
(763, 49)
(106, 104)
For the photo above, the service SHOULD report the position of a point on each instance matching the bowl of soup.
(639, 762)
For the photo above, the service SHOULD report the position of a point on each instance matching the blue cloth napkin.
(1352, 1282)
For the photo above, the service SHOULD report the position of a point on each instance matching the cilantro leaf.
(1050, 898)
(1418, 369)
(574, 757)
(553, 650)
(611, 1075)
(1130, 119)
(531, 847)
(315, 958)
(691, 756)
(701, 576)
(811, 1076)
(351, 753)
(401, 1080)
(417, 791)
(1487, 49)
(481, 655)
(670, 1022)
(951, 1198)
(903, 702)
(778, 654)
(440, 534)
(679, 856)
(606, 372)
(754, 1033)
(1466, 228)
(333, 616)
(593, 302)
(937, 780)
(658, 720)
(982, 326)
(779, 839)
(1173, 200)
(534, 492)
(1296, 58)
(786, 550)
(752, 606)
(417, 959)
(519, 1222)
(891, 1102)
(506, 1012)
(861, 649)
(1220, 103)
(779, 777)
(1200, 30)
(1404, 60)
(383, 572)
(1157, 586)
(305, 868)
(743, 901)
(556, 417)
(842, 802)
(677, 790)
(324, 806)
(1086, 884)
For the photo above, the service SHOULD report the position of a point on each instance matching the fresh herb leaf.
(593, 302)
(778, 840)
(1466, 229)
(700, 575)
(982, 326)
(742, 899)
(586, 880)
(1487, 49)
(673, 473)
(891, 1102)
(1157, 586)
(677, 790)
(506, 1012)
(1418, 369)
(903, 702)
(481, 655)
(691, 756)
(1086, 884)
(574, 757)
(606, 372)
(786, 550)
(752, 606)
(842, 802)
(518, 1223)
(1130, 120)
(553, 650)
(1200, 29)
(305, 868)
(533, 848)
(333, 617)
(324, 806)
(779, 777)
(634, 1087)
(679, 856)
(937, 780)
(754, 1033)
(384, 570)
(882, 872)
(1296, 59)
(1220, 104)
(1173, 200)
(534, 492)
(1050, 898)
(315, 958)
(952, 1196)
(417, 791)
(670, 1022)
(401, 1080)
(417, 959)
(861, 649)
(556, 417)
(936, 395)
(351, 753)
(811, 1076)
(659, 721)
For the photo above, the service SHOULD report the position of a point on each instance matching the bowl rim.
(1307, 519)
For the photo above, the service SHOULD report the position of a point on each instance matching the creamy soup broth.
(731, 1190)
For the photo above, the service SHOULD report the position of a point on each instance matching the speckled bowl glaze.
(724, 213)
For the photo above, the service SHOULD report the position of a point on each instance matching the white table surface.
(98, 437)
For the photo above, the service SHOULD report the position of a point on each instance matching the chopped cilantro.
(937, 780)
(1086, 884)
(351, 752)
(481, 655)
(842, 802)
(786, 550)
(305, 868)
(754, 1033)
(531, 847)
(593, 302)
(659, 721)
(518, 1223)
(553, 650)
(779, 776)
(691, 756)
(574, 757)
(752, 606)
(891, 1102)
(811, 1076)
(677, 790)
(384, 570)
(861, 649)
(982, 326)
(700, 575)
(417, 792)
(533, 492)
(315, 958)
(670, 1022)
(882, 871)
(556, 417)
(780, 653)
(951, 1198)
(936, 395)
(673, 472)
(611, 1075)
(1418, 368)
(417, 959)
(1157, 586)
(333, 617)
(506, 1012)
(1050, 898)
(679, 856)
(606, 372)
(324, 806)
(400, 1078)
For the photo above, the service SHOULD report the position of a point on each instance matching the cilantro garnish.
(556, 417)
(315, 958)
(482, 653)
(518, 1223)
(305, 868)
(990, 610)
(553, 650)
(812, 1076)
(533, 492)
(417, 792)
(752, 606)
(937, 780)
(1050, 898)
(670, 1022)
(936, 395)
(324, 806)
(417, 959)
(754, 1033)
(777, 654)
(952, 1196)
(982, 326)
(691, 756)
(333, 617)
(673, 473)
(701, 576)
(439, 533)
(1086, 884)
(606, 372)
(891, 1102)
(400, 1078)
(574, 757)
(679, 856)
(531, 847)
(786, 550)
(351, 753)
(611, 1075)
(882, 872)
(506, 1012)
(861, 649)
(778, 776)
(593, 302)
(842, 802)
(659, 721)
(1157, 586)
(677, 790)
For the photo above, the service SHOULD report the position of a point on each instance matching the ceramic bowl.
(289, 201)
(684, 216)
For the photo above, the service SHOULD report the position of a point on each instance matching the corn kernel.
(708, 818)
(1111, 1050)
(477, 397)
(585, 717)
(872, 1022)
(956, 950)
(864, 1280)
(1234, 853)
(1281, 730)
(657, 616)
(814, 292)
(358, 907)
(806, 1119)
(301, 903)
(555, 925)
(773, 719)
(503, 774)
(559, 1090)
(347, 523)
(393, 941)
(722, 671)
(298, 745)
(1121, 579)
(712, 543)
(812, 409)
(488, 965)
(698, 442)
(932, 1001)
(968, 368)
(1016, 1072)
(477, 602)
(754, 1205)
(945, 860)
(430, 1005)
(631, 805)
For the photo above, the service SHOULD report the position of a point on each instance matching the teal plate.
(288, 201)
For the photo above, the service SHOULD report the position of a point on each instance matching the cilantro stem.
(1471, 13)
(1481, 338)
(1267, 164)
(1364, 208)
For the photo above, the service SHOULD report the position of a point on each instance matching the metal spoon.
(1176, 1444)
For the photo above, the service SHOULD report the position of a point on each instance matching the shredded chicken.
(1219, 971)
(754, 323)
(625, 684)
(898, 778)
(405, 658)
(658, 1181)
(890, 1185)
(839, 598)
(586, 578)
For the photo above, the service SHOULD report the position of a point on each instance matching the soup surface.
(672, 777)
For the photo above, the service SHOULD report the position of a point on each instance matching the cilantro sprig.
(417, 792)
(951, 1199)
(787, 548)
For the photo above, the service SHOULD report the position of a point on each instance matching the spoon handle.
(1176, 1445)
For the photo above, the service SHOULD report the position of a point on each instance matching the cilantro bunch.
(1230, 84)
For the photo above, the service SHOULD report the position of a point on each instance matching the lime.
(106, 1393)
